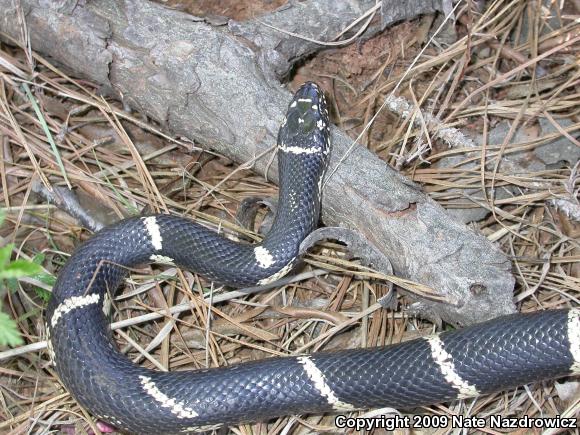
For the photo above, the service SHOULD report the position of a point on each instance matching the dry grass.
(56, 130)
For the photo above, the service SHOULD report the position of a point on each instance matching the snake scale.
(491, 356)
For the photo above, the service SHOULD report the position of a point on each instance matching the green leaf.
(9, 335)
(42, 294)
(11, 284)
(5, 253)
(20, 268)
(38, 258)
(46, 278)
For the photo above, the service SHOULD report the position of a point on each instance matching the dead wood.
(217, 85)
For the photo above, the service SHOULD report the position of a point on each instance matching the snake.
(495, 355)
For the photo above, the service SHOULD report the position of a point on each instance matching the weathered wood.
(217, 87)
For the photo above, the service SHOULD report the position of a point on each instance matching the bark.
(218, 85)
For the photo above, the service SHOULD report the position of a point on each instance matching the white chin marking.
(263, 257)
(305, 100)
(275, 277)
(163, 259)
(317, 377)
(574, 338)
(299, 150)
(154, 232)
(445, 362)
(176, 408)
(72, 303)
(204, 428)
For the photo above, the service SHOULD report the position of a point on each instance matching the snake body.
(495, 355)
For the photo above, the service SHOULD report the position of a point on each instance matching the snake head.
(305, 129)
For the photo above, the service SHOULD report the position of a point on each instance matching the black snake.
(495, 355)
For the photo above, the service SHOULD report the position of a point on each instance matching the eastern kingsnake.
(491, 356)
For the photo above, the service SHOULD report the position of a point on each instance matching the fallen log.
(215, 85)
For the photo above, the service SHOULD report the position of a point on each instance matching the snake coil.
(491, 356)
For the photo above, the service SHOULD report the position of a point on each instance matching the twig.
(66, 200)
